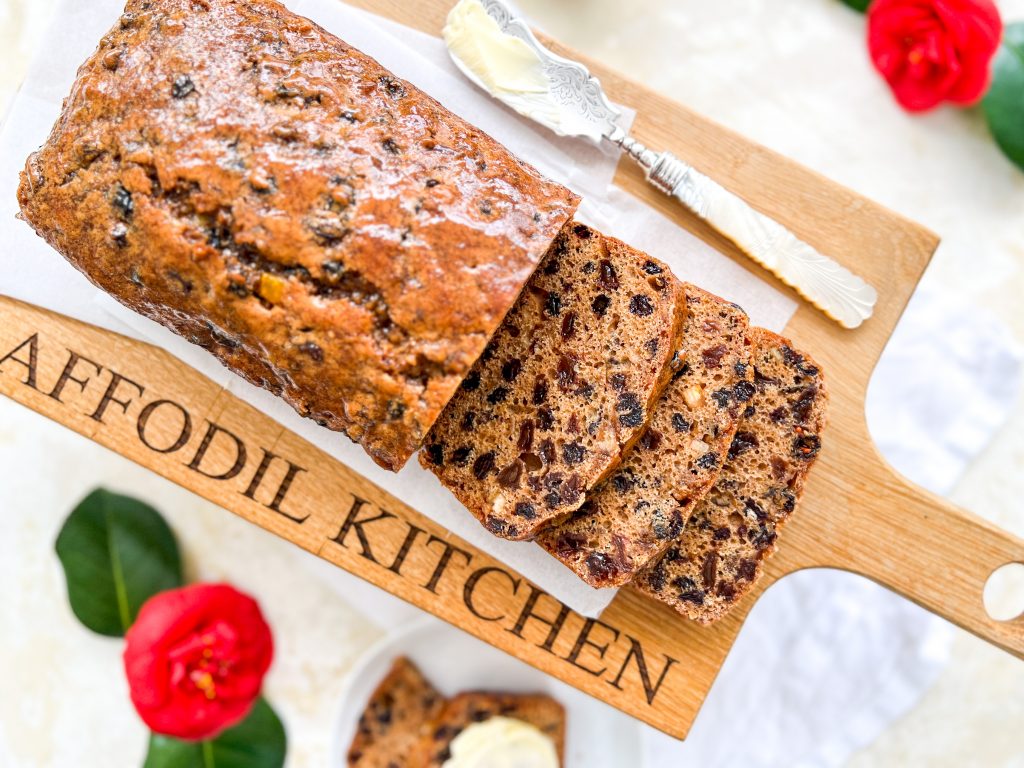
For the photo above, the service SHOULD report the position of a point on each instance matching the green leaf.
(259, 741)
(1004, 102)
(858, 5)
(117, 552)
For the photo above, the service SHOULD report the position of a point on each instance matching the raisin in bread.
(395, 719)
(565, 386)
(327, 230)
(719, 556)
(635, 515)
(540, 711)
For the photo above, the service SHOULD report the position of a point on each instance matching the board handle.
(929, 551)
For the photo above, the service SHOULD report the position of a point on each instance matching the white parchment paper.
(31, 271)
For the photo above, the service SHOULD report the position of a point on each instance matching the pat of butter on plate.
(502, 742)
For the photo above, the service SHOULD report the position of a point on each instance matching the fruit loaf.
(635, 515)
(540, 711)
(328, 231)
(564, 388)
(396, 717)
(720, 553)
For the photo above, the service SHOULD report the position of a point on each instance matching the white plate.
(597, 736)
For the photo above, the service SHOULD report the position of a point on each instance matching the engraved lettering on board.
(486, 592)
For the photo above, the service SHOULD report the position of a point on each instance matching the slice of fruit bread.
(564, 388)
(720, 553)
(635, 515)
(396, 717)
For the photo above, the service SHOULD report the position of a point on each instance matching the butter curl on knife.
(499, 53)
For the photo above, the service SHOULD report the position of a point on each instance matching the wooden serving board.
(641, 657)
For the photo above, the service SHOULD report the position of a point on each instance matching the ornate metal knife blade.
(575, 104)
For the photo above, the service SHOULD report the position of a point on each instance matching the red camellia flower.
(195, 659)
(931, 51)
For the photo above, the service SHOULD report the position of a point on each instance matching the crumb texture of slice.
(565, 386)
(461, 711)
(396, 718)
(720, 554)
(635, 515)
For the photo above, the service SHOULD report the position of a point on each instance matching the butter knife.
(562, 95)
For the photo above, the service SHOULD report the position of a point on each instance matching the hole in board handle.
(1004, 592)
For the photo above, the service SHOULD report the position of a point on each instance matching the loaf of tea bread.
(329, 232)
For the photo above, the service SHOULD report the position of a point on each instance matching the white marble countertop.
(792, 74)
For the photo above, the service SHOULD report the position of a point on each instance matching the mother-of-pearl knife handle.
(821, 280)
(574, 104)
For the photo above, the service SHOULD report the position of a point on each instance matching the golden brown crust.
(329, 232)
(720, 554)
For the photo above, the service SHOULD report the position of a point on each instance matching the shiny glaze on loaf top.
(327, 230)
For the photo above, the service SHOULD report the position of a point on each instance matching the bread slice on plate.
(395, 719)
(565, 386)
(540, 711)
(635, 515)
(719, 555)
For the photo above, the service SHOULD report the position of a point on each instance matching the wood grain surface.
(641, 657)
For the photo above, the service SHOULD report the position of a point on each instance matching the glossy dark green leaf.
(858, 5)
(257, 742)
(117, 552)
(1004, 102)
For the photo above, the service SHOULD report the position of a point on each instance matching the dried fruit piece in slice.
(565, 386)
(720, 553)
(396, 717)
(639, 511)
(540, 711)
